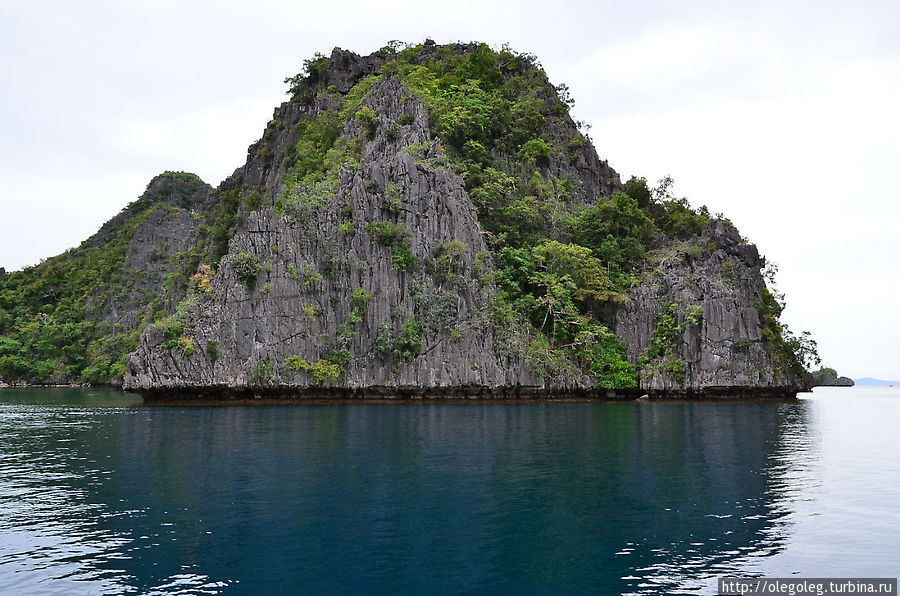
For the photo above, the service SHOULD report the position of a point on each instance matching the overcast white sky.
(782, 115)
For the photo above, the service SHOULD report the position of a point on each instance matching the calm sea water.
(100, 494)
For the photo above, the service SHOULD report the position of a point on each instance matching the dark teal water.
(100, 494)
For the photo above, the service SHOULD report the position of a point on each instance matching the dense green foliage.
(661, 354)
(618, 232)
(396, 238)
(246, 268)
(322, 370)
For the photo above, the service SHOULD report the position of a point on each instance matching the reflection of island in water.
(608, 497)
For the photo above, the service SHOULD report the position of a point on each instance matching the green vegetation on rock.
(560, 262)
(662, 354)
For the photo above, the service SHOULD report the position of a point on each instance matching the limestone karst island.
(427, 222)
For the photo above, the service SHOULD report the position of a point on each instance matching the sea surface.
(101, 494)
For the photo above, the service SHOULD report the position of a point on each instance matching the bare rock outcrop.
(713, 289)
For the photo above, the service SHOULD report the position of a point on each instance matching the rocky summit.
(426, 221)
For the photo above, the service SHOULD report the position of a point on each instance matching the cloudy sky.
(782, 115)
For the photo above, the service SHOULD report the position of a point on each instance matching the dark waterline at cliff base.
(101, 494)
(287, 395)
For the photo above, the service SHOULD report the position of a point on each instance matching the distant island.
(424, 221)
(870, 382)
(828, 377)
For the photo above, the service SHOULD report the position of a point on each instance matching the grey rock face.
(724, 352)
(345, 69)
(301, 302)
(148, 262)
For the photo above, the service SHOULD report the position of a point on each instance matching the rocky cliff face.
(720, 350)
(300, 305)
(377, 272)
